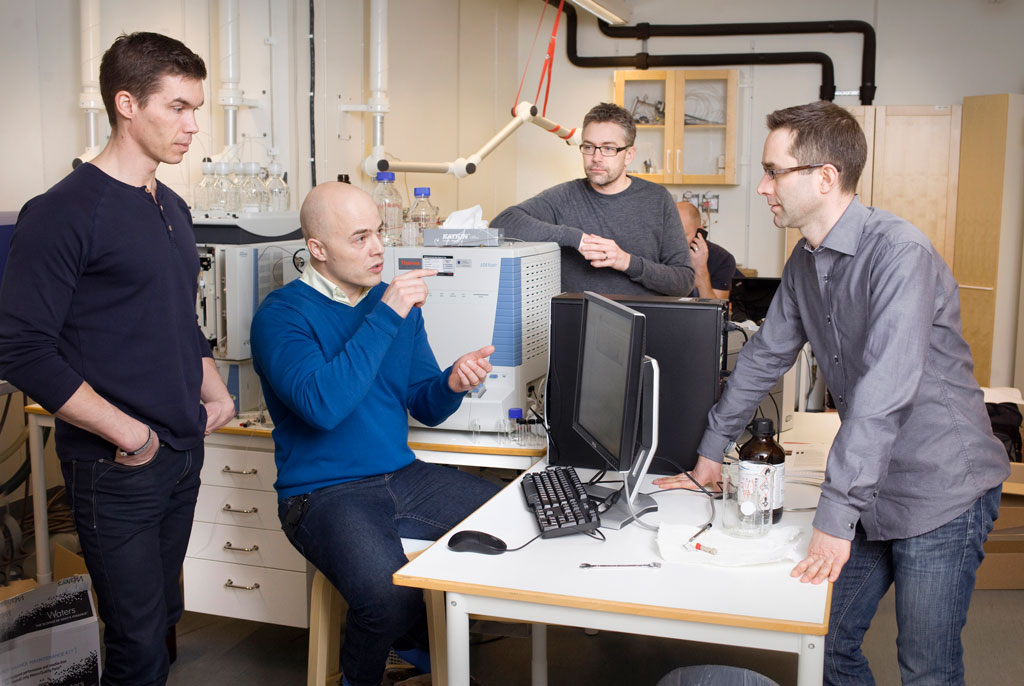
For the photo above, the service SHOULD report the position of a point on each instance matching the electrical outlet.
(709, 202)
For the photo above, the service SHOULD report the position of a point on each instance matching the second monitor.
(684, 335)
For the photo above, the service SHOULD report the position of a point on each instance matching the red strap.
(527, 67)
(549, 59)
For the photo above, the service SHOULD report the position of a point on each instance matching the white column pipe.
(230, 96)
(90, 99)
(378, 68)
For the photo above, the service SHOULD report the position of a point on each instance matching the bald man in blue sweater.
(342, 357)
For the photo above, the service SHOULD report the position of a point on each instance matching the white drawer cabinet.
(239, 563)
(260, 594)
(244, 545)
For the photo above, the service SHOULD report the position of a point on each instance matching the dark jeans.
(934, 576)
(134, 524)
(352, 533)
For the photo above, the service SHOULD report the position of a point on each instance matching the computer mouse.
(477, 542)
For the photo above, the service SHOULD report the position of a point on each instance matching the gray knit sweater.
(642, 220)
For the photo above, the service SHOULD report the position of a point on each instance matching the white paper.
(470, 218)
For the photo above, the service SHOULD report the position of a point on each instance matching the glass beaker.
(747, 498)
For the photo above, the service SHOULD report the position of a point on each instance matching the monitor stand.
(631, 503)
(619, 515)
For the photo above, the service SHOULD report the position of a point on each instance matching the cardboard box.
(1003, 567)
(66, 563)
(50, 635)
(16, 588)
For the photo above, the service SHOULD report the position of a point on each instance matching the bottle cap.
(515, 413)
(222, 168)
(385, 176)
(763, 426)
(421, 192)
(207, 167)
(275, 168)
(252, 168)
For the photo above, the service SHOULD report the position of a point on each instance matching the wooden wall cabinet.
(686, 124)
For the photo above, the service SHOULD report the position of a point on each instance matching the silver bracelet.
(133, 453)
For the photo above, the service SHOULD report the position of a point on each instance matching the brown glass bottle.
(762, 448)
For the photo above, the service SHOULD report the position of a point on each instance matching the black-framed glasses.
(606, 150)
(772, 173)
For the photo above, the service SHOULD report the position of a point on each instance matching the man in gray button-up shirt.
(913, 478)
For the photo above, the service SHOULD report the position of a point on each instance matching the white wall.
(454, 69)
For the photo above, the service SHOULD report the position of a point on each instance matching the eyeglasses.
(772, 173)
(606, 150)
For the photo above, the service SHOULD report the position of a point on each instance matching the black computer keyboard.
(559, 502)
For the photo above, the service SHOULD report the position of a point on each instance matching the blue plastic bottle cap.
(421, 192)
(385, 176)
(515, 413)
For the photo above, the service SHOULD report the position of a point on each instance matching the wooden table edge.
(654, 611)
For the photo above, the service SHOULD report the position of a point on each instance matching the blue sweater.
(100, 287)
(338, 381)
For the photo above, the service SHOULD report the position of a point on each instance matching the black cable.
(7, 406)
(596, 534)
(299, 262)
(512, 550)
(312, 101)
(551, 439)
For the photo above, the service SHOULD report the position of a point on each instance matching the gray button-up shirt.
(882, 313)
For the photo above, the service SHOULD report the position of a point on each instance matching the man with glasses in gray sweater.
(619, 234)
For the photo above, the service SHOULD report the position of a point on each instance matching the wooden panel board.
(979, 208)
(977, 313)
(913, 166)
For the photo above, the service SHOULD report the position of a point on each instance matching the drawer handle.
(251, 510)
(232, 584)
(245, 472)
(228, 546)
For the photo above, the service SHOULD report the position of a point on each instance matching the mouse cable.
(512, 550)
(596, 534)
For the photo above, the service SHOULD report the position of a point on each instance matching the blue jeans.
(934, 576)
(134, 524)
(352, 533)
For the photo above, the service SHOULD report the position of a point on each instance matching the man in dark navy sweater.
(97, 323)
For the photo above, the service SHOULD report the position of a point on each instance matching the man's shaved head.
(342, 229)
(690, 217)
(330, 206)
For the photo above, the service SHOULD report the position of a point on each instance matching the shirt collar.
(322, 285)
(844, 235)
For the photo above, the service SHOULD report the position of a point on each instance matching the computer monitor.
(615, 407)
(685, 336)
(751, 296)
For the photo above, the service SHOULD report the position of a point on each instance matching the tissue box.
(451, 237)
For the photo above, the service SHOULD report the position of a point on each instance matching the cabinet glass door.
(648, 95)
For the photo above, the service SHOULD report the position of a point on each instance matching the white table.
(459, 448)
(759, 607)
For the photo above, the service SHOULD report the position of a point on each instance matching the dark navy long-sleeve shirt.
(100, 287)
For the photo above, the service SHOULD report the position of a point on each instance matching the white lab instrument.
(233, 281)
(242, 383)
(496, 296)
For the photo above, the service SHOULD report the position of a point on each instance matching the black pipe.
(644, 30)
(644, 60)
